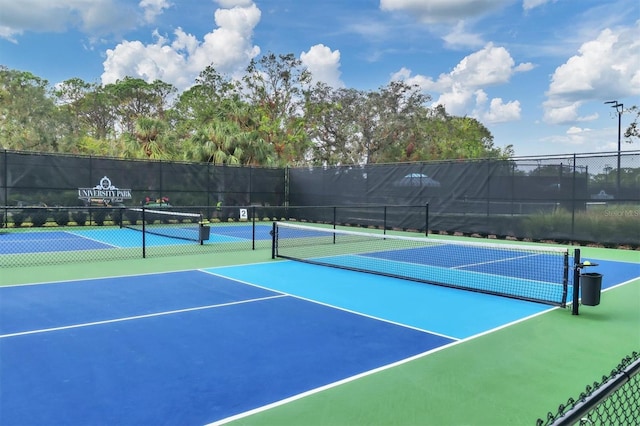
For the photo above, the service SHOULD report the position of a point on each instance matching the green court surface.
(510, 376)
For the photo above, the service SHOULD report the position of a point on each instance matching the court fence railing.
(615, 400)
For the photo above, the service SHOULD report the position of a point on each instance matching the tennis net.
(532, 273)
(166, 223)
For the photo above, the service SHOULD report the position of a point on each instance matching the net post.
(334, 222)
(200, 227)
(121, 213)
(253, 227)
(565, 279)
(274, 238)
(384, 224)
(334, 216)
(144, 234)
(426, 220)
(576, 282)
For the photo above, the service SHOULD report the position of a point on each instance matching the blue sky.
(535, 72)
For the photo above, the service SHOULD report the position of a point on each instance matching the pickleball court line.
(355, 377)
(489, 262)
(92, 239)
(155, 314)
(295, 296)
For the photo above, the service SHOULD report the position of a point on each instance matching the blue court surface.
(196, 347)
(110, 238)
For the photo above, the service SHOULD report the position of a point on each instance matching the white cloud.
(228, 4)
(153, 8)
(582, 139)
(531, 4)
(499, 112)
(462, 91)
(93, 17)
(228, 48)
(491, 65)
(324, 64)
(604, 68)
(438, 11)
(524, 67)
(458, 37)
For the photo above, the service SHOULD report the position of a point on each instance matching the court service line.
(489, 262)
(156, 314)
(355, 377)
(95, 240)
(339, 308)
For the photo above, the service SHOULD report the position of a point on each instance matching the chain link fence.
(45, 235)
(586, 198)
(615, 400)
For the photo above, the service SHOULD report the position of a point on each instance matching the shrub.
(18, 219)
(61, 217)
(548, 225)
(116, 216)
(79, 217)
(132, 216)
(39, 218)
(99, 216)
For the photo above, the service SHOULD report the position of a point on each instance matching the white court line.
(317, 302)
(366, 373)
(157, 314)
(489, 262)
(84, 237)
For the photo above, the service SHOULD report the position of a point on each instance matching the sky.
(536, 73)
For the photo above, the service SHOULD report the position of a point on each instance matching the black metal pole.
(619, 149)
(253, 227)
(619, 107)
(144, 234)
(384, 220)
(573, 199)
(274, 240)
(576, 282)
(426, 220)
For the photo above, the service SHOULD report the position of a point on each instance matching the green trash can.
(591, 284)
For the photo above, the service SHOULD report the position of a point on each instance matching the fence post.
(573, 199)
(576, 282)
(384, 220)
(426, 220)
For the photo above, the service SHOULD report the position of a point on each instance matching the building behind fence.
(582, 198)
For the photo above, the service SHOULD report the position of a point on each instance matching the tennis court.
(246, 339)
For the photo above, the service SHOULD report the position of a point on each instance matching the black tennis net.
(166, 223)
(526, 272)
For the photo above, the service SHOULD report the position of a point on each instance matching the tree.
(28, 116)
(633, 131)
(393, 125)
(272, 116)
(450, 137)
(218, 125)
(134, 98)
(91, 111)
(152, 137)
(275, 87)
(330, 124)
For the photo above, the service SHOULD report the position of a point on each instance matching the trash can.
(591, 283)
(205, 232)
